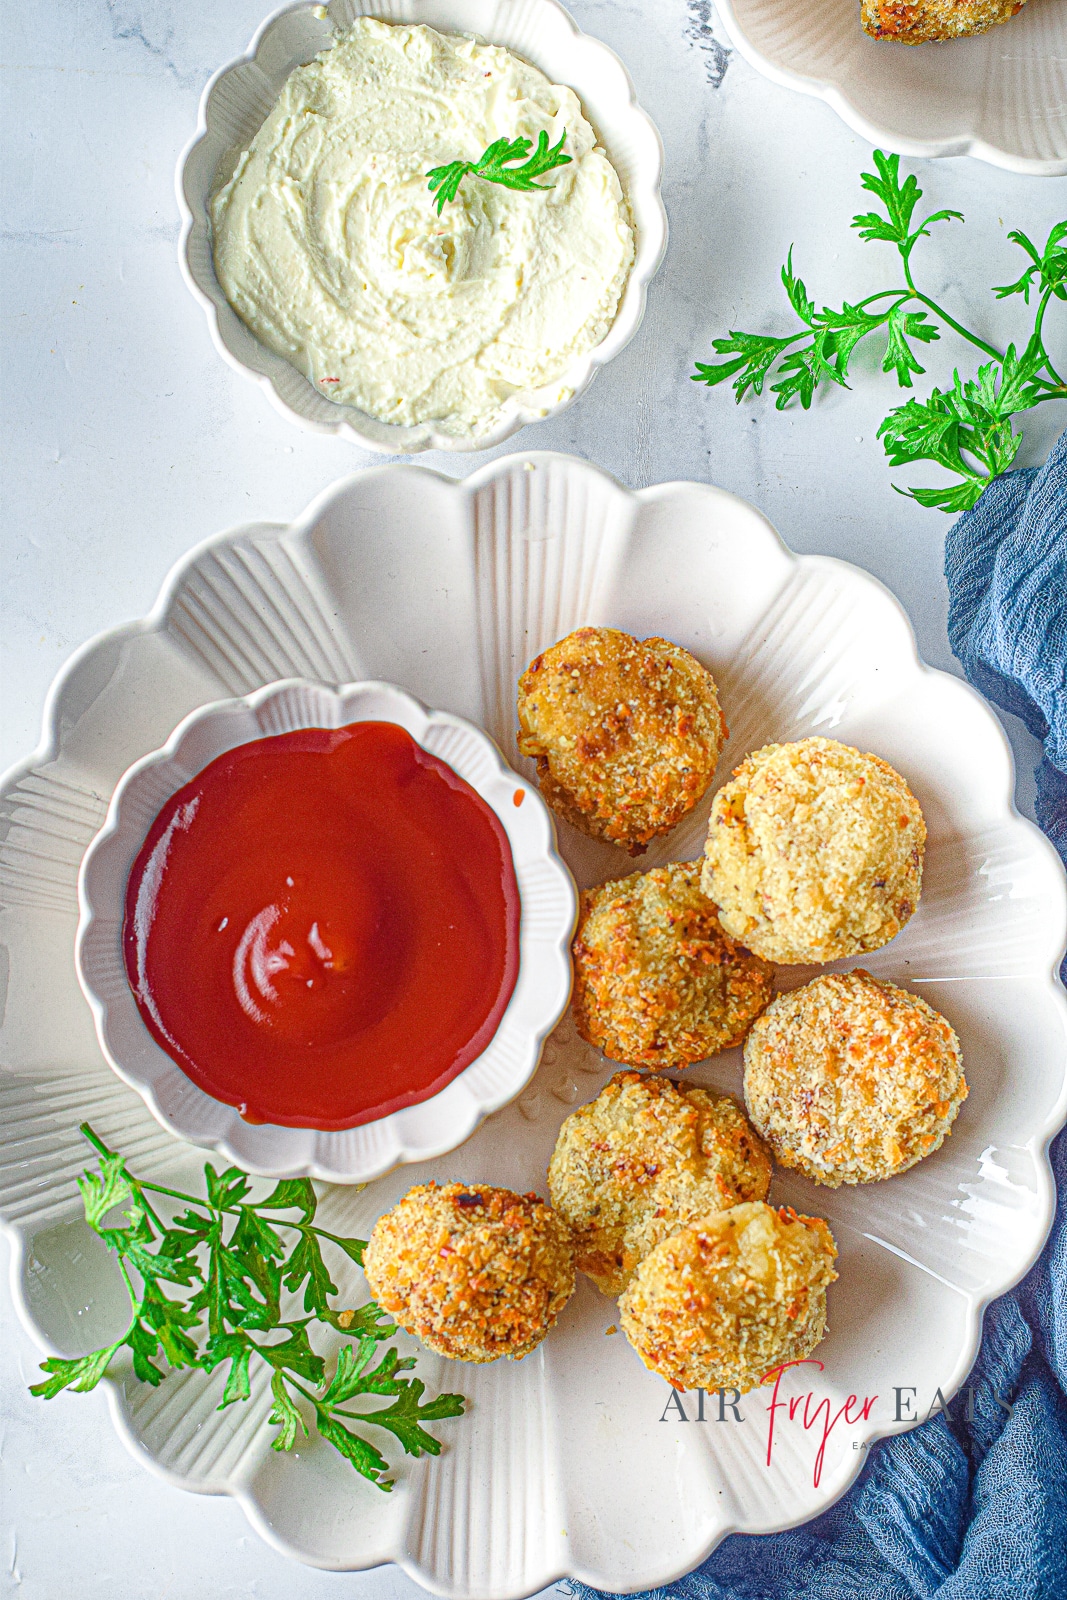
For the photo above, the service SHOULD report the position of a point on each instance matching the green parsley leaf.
(844, 330)
(306, 1267)
(405, 1417)
(285, 1414)
(81, 1374)
(238, 1382)
(144, 1344)
(802, 371)
(756, 353)
(1016, 389)
(353, 1248)
(237, 1263)
(1049, 266)
(956, 497)
(505, 161)
(171, 1320)
(227, 1188)
(102, 1193)
(291, 1194)
(966, 428)
(362, 1454)
(352, 1378)
(904, 325)
(924, 430)
(899, 200)
(369, 1322)
(798, 295)
(295, 1355)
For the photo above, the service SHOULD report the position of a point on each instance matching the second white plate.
(1000, 96)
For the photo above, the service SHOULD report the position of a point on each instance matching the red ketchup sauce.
(323, 926)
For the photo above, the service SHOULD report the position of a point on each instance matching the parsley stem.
(357, 1416)
(902, 294)
(322, 1232)
(97, 1143)
(135, 1183)
(1037, 335)
(288, 1378)
(972, 338)
(175, 1194)
(140, 1184)
(138, 1305)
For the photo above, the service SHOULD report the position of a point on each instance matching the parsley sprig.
(967, 427)
(229, 1250)
(497, 164)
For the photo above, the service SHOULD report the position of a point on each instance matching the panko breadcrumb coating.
(722, 1302)
(814, 851)
(474, 1272)
(657, 982)
(852, 1080)
(626, 734)
(918, 21)
(642, 1160)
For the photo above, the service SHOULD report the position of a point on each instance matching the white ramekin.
(239, 97)
(432, 1127)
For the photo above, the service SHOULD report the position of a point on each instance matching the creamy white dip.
(328, 244)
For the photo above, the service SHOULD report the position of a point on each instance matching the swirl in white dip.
(328, 244)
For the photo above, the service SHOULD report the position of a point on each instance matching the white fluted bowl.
(561, 1466)
(238, 99)
(418, 1132)
(1000, 96)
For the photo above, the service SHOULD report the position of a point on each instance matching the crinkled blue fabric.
(967, 1508)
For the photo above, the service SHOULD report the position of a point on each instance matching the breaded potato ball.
(814, 851)
(852, 1080)
(918, 21)
(642, 1160)
(626, 733)
(722, 1302)
(657, 983)
(474, 1272)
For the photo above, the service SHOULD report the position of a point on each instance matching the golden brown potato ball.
(919, 21)
(814, 851)
(642, 1160)
(657, 982)
(720, 1303)
(626, 733)
(852, 1080)
(474, 1272)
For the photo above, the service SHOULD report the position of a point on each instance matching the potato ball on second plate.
(722, 1302)
(852, 1080)
(474, 1272)
(657, 982)
(814, 851)
(641, 1160)
(626, 733)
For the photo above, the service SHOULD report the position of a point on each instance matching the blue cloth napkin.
(967, 1508)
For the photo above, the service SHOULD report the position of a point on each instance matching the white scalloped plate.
(1000, 96)
(238, 98)
(561, 1466)
(432, 1127)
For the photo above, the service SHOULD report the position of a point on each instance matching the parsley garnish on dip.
(329, 245)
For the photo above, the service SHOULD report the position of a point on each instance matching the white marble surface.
(126, 440)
